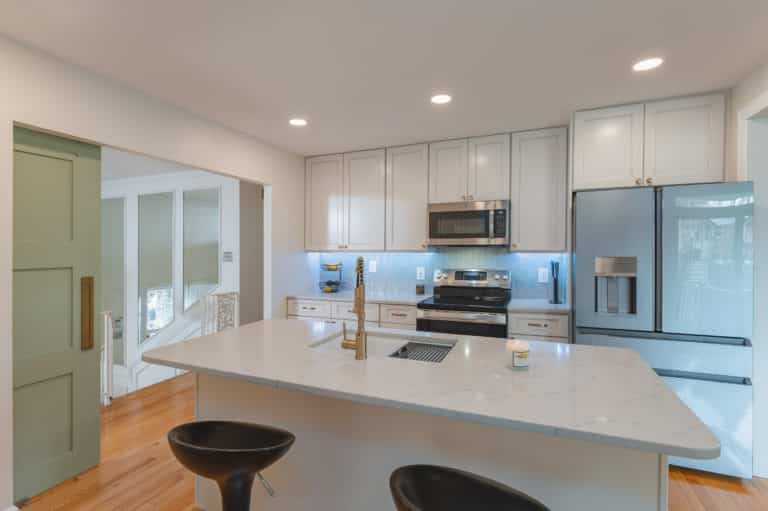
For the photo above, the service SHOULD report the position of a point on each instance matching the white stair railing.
(107, 359)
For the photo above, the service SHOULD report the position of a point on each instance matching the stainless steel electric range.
(467, 302)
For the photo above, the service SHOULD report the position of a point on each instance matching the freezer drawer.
(725, 358)
(727, 410)
(707, 263)
(615, 259)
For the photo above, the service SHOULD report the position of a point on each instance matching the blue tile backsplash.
(396, 272)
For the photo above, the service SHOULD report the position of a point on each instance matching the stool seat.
(231, 453)
(434, 488)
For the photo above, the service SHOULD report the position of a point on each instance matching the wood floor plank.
(139, 473)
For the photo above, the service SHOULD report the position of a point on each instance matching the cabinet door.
(364, 193)
(489, 168)
(324, 203)
(539, 194)
(407, 192)
(608, 147)
(684, 140)
(448, 171)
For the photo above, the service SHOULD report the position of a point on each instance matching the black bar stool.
(433, 488)
(231, 453)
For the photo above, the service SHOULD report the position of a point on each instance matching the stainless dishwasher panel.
(726, 408)
(615, 254)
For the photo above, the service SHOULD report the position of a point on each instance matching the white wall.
(748, 159)
(43, 92)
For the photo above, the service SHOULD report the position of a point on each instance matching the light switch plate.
(372, 266)
(543, 275)
(419, 273)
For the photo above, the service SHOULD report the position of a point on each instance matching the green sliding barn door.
(56, 259)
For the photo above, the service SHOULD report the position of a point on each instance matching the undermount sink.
(423, 351)
(392, 344)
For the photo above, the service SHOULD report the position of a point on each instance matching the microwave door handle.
(491, 224)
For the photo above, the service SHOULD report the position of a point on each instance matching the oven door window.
(459, 224)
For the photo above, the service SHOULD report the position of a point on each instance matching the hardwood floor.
(138, 470)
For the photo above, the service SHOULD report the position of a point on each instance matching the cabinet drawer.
(345, 310)
(545, 325)
(402, 315)
(309, 308)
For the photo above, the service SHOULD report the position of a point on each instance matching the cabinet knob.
(514, 245)
(639, 181)
(649, 180)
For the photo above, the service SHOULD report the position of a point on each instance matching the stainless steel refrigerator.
(668, 271)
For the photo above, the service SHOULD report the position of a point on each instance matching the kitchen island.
(583, 428)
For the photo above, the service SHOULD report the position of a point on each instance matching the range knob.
(505, 277)
(497, 276)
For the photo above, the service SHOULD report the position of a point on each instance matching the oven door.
(483, 324)
(468, 223)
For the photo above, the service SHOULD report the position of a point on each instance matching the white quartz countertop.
(539, 306)
(606, 395)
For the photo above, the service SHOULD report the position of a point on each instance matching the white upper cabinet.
(324, 202)
(407, 192)
(448, 171)
(539, 190)
(608, 147)
(674, 141)
(489, 168)
(684, 140)
(364, 197)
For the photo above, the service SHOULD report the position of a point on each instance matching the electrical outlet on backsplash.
(396, 271)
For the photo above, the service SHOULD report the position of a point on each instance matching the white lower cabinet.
(542, 325)
(402, 317)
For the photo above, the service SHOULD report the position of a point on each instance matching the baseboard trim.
(12, 508)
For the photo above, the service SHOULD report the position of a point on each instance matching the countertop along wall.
(41, 91)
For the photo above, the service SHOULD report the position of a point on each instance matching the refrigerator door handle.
(715, 378)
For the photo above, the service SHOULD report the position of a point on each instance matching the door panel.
(684, 140)
(324, 203)
(407, 192)
(539, 190)
(448, 171)
(608, 147)
(615, 226)
(56, 244)
(489, 168)
(364, 191)
(707, 263)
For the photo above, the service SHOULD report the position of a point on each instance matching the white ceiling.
(362, 71)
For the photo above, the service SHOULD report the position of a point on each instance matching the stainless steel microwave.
(484, 223)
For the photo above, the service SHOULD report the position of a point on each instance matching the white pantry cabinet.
(448, 171)
(684, 140)
(539, 190)
(324, 202)
(489, 168)
(364, 199)
(407, 192)
(608, 147)
(668, 142)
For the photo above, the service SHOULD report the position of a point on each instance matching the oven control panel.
(472, 278)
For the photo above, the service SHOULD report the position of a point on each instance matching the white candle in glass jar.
(521, 354)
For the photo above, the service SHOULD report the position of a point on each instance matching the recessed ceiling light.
(648, 64)
(441, 99)
(298, 122)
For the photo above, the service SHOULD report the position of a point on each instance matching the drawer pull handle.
(308, 308)
(538, 325)
(399, 314)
